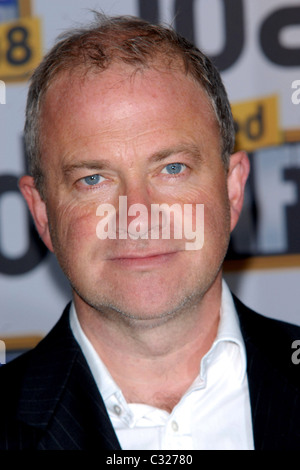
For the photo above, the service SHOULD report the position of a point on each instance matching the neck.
(155, 364)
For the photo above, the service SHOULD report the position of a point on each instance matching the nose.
(134, 218)
(138, 192)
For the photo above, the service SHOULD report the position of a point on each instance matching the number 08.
(18, 52)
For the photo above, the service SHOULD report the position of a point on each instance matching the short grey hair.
(132, 41)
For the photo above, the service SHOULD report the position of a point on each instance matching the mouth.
(143, 260)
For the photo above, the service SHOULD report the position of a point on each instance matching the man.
(153, 352)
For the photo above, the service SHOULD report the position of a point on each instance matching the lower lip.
(145, 262)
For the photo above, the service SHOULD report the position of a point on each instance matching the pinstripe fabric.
(274, 381)
(49, 400)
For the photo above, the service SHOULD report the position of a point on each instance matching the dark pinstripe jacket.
(49, 400)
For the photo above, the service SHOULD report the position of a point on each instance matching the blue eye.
(174, 168)
(92, 180)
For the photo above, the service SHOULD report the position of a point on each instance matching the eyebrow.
(86, 164)
(191, 150)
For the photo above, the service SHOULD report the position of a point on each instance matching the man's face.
(150, 136)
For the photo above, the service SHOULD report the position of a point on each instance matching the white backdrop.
(33, 291)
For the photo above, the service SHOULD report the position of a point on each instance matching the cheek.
(216, 215)
(215, 200)
(72, 226)
(217, 224)
(206, 212)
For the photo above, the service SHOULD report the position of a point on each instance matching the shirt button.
(175, 426)
(118, 410)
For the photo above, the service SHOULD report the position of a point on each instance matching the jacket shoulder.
(259, 325)
(271, 341)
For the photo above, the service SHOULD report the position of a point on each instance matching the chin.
(146, 312)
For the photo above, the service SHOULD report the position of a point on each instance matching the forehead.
(70, 86)
(123, 99)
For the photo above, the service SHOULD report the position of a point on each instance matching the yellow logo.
(20, 39)
(257, 123)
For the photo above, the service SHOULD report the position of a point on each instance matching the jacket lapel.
(62, 405)
(60, 397)
(273, 380)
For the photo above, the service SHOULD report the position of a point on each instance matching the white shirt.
(213, 414)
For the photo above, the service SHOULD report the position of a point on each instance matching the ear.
(37, 208)
(239, 168)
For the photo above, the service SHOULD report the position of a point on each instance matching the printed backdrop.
(256, 46)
